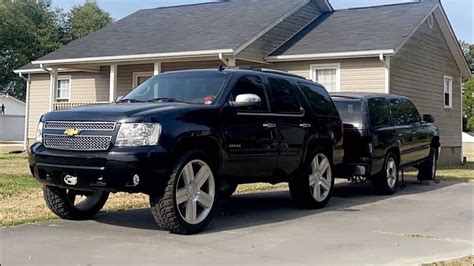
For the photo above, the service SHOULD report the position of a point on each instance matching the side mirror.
(246, 100)
(428, 118)
(119, 98)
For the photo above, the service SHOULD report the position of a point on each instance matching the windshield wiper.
(165, 100)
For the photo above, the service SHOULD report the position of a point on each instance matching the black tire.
(303, 192)
(427, 169)
(62, 203)
(165, 209)
(387, 181)
(227, 190)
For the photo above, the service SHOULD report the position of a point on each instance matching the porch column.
(157, 68)
(53, 86)
(113, 83)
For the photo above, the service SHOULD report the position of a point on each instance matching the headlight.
(39, 132)
(138, 134)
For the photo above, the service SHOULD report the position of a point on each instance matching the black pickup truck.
(187, 138)
(384, 133)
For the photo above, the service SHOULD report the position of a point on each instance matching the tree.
(86, 18)
(29, 29)
(468, 50)
(468, 105)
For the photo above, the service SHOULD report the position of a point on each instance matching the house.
(408, 49)
(12, 119)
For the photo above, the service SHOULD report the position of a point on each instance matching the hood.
(126, 112)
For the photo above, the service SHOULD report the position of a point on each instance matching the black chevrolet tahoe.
(188, 138)
(384, 133)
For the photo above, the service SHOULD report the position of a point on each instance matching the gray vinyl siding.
(277, 36)
(418, 70)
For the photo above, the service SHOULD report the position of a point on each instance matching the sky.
(460, 12)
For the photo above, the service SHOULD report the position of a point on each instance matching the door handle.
(269, 125)
(305, 125)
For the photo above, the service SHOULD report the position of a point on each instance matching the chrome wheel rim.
(320, 179)
(391, 172)
(195, 192)
(83, 201)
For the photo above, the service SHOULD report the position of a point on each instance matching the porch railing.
(67, 105)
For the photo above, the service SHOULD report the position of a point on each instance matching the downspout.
(45, 69)
(27, 109)
(386, 62)
(228, 62)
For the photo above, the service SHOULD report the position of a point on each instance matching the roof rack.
(263, 70)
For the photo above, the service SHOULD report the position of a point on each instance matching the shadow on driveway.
(262, 208)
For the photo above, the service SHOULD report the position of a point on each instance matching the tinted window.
(379, 114)
(250, 85)
(398, 113)
(283, 99)
(412, 113)
(350, 110)
(319, 99)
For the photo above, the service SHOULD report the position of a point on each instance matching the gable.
(281, 33)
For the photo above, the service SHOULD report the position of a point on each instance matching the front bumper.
(111, 171)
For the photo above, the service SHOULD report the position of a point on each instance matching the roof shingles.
(208, 26)
(359, 29)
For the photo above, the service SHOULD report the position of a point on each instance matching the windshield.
(192, 87)
(350, 110)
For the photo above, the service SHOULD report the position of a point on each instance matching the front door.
(250, 134)
(420, 135)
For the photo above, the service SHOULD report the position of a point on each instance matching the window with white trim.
(63, 93)
(328, 75)
(140, 77)
(448, 92)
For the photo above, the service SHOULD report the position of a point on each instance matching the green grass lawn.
(21, 199)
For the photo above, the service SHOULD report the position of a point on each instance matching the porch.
(80, 85)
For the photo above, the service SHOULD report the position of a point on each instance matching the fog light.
(136, 180)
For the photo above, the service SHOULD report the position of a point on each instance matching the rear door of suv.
(403, 129)
(290, 119)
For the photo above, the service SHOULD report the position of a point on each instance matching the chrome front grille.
(95, 126)
(77, 143)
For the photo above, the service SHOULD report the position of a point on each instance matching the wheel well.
(207, 145)
(396, 151)
(319, 143)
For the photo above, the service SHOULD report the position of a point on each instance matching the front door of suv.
(420, 132)
(290, 119)
(250, 134)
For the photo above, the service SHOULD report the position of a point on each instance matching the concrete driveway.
(418, 224)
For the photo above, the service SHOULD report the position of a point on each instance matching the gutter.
(321, 56)
(27, 109)
(139, 57)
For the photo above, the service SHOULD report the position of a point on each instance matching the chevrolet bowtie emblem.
(71, 132)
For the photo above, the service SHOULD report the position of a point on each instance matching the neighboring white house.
(468, 142)
(12, 120)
